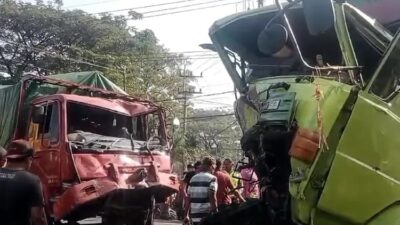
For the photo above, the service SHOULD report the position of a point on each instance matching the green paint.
(356, 178)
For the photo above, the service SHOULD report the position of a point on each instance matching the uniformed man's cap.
(19, 149)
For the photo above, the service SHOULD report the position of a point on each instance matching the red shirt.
(224, 187)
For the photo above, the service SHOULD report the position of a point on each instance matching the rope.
(319, 95)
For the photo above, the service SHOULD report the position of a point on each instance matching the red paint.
(74, 180)
(116, 105)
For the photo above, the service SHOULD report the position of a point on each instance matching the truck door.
(45, 139)
(364, 179)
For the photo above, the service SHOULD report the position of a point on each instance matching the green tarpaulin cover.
(10, 95)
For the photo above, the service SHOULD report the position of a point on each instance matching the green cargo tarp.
(9, 95)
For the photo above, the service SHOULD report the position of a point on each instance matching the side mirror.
(208, 46)
(319, 15)
(38, 114)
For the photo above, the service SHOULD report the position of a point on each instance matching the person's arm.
(234, 190)
(38, 214)
(238, 195)
(239, 183)
(213, 201)
(212, 194)
(187, 207)
(184, 188)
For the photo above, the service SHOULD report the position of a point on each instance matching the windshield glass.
(97, 128)
(267, 49)
(369, 39)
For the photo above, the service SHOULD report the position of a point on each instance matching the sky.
(182, 32)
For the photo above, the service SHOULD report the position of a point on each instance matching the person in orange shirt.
(225, 188)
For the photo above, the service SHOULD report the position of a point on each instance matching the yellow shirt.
(234, 180)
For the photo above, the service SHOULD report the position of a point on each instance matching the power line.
(206, 65)
(210, 116)
(213, 102)
(181, 52)
(156, 5)
(55, 55)
(225, 129)
(217, 93)
(185, 6)
(88, 4)
(201, 64)
(215, 85)
(198, 96)
(190, 10)
(204, 56)
(213, 94)
(210, 66)
(144, 7)
(167, 54)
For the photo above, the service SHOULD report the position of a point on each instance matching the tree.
(47, 40)
(214, 133)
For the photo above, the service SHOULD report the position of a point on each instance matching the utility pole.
(260, 3)
(185, 92)
(124, 78)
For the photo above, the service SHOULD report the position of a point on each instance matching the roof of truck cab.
(116, 105)
(225, 21)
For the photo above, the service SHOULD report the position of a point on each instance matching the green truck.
(319, 107)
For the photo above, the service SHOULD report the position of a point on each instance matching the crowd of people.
(209, 186)
(206, 187)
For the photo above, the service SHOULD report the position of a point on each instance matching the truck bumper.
(99, 196)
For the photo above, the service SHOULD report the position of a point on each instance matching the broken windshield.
(268, 50)
(101, 129)
(369, 39)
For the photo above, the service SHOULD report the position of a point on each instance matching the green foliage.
(44, 39)
(206, 135)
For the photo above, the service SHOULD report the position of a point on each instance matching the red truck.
(99, 152)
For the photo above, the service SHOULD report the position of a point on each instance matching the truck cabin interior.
(95, 124)
(258, 45)
(267, 49)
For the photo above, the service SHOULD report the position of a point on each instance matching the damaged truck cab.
(319, 108)
(99, 153)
